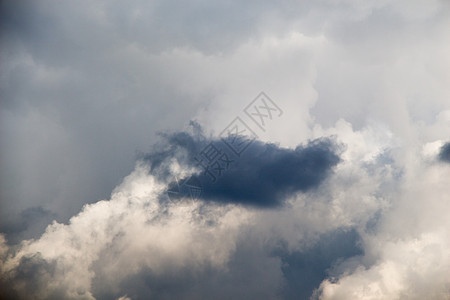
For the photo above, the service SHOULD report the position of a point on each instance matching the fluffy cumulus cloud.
(136, 162)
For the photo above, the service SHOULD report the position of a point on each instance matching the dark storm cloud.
(27, 224)
(250, 274)
(444, 154)
(267, 271)
(263, 175)
(266, 173)
(305, 270)
(30, 280)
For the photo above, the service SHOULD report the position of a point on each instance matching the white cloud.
(129, 232)
(409, 252)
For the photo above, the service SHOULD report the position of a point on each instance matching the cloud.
(30, 279)
(106, 242)
(25, 226)
(263, 175)
(406, 253)
(329, 238)
(305, 269)
(138, 245)
(83, 90)
(444, 154)
(267, 174)
(86, 87)
(415, 269)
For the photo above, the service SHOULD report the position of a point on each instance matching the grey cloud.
(85, 84)
(263, 175)
(30, 280)
(304, 270)
(250, 274)
(76, 105)
(157, 26)
(28, 224)
(256, 270)
(82, 89)
(444, 154)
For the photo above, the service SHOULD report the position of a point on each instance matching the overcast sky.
(336, 188)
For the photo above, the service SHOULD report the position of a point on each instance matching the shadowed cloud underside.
(264, 175)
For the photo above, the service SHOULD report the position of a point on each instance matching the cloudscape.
(225, 149)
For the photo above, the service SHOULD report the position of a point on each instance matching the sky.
(225, 149)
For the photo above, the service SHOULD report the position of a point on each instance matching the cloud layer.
(343, 196)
